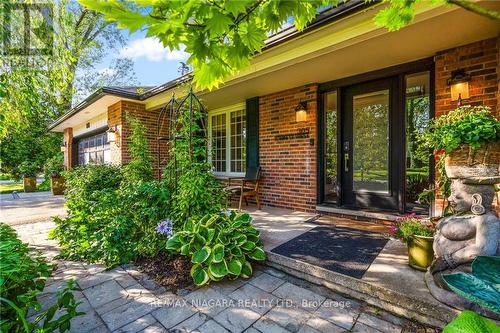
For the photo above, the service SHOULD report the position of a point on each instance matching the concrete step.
(408, 306)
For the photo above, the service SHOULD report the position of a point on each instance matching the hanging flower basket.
(466, 162)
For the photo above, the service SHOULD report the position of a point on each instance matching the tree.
(222, 35)
(35, 89)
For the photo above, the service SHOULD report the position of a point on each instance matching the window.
(94, 150)
(227, 141)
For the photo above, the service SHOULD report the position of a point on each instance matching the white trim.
(224, 110)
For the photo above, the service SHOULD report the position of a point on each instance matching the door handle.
(346, 162)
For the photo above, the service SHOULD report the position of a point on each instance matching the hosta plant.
(220, 245)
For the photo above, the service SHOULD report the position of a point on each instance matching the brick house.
(366, 92)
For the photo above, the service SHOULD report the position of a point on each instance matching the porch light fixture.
(459, 83)
(111, 134)
(63, 146)
(301, 112)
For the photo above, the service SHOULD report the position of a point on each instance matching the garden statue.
(472, 231)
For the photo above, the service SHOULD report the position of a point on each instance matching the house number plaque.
(302, 133)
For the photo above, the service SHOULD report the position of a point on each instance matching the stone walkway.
(125, 300)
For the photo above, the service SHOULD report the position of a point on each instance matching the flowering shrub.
(409, 226)
(165, 228)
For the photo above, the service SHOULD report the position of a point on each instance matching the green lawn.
(8, 188)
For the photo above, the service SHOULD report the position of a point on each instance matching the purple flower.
(165, 227)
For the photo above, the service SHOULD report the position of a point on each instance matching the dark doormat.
(337, 249)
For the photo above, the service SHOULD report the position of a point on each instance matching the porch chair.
(249, 186)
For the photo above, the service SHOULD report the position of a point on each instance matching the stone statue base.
(451, 299)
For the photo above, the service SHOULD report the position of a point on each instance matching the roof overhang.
(91, 107)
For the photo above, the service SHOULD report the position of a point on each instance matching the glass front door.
(369, 156)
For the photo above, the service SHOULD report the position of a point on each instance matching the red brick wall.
(288, 166)
(481, 61)
(149, 119)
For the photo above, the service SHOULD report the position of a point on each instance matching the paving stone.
(308, 329)
(86, 323)
(266, 282)
(211, 327)
(103, 293)
(148, 283)
(378, 323)
(113, 305)
(268, 326)
(227, 286)
(155, 328)
(137, 325)
(302, 297)
(190, 324)
(94, 268)
(137, 290)
(362, 328)
(208, 301)
(170, 316)
(126, 280)
(51, 288)
(324, 326)
(127, 313)
(252, 330)
(99, 329)
(254, 298)
(96, 279)
(291, 318)
(274, 272)
(236, 320)
(341, 317)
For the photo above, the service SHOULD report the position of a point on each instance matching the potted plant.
(467, 140)
(54, 168)
(418, 234)
(29, 170)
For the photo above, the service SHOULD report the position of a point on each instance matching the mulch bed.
(170, 271)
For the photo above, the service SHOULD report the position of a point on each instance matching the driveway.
(30, 207)
(125, 300)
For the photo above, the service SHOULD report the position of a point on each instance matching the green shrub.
(473, 125)
(22, 278)
(110, 220)
(140, 166)
(54, 166)
(220, 245)
(28, 169)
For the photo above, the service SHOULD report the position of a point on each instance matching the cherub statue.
(472, 231)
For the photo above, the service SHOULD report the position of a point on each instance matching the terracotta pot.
(29, 184)
(465, 162)
(420, 252)
(57, 184)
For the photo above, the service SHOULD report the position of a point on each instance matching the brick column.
(115, 121)
(68, 153)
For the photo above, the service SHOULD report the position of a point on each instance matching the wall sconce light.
(301, 112)
(63, 146)
(111, 133)
(459, 83)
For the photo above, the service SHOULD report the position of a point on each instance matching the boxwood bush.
(220, 245)
(22, 277)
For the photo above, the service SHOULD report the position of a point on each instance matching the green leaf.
(258, 254)
(235, 7)
(185, 249)
(218, 252)
(218, 23)
(218, 269)
(246, 270)
(201, 255)
(174, 243)
(199, 275)
(252, 36)
(234, 266)
(471, 322)
(248, 246)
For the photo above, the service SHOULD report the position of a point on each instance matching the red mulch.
(170, 271)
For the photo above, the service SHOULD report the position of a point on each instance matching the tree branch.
(473, 7)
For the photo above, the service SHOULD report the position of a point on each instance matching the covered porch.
(388, 282)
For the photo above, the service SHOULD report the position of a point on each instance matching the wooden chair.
(249, 186)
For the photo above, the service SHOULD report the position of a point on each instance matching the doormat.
(338, 249)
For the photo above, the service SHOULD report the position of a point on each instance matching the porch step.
(357, 214)
(411, 307)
